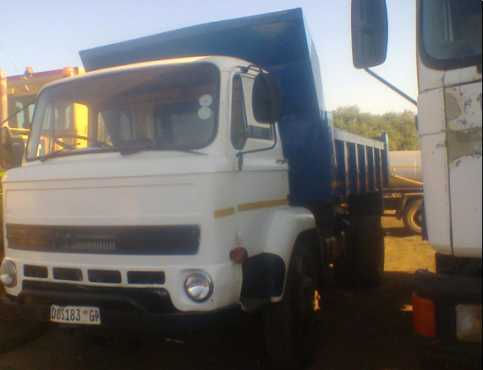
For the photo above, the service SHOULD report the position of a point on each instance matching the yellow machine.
(17, 103)
(22, 90)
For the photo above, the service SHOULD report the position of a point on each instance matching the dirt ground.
(366, 330)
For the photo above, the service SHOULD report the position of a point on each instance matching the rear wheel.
(368, 246)
(292, 326)
(413, 216)
(362, 263)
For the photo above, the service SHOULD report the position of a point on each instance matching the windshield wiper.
(183, 150)
(72, 151)
(128, 150)
(57, 153)
(133, 148)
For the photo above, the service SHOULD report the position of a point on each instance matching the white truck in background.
(447, 304)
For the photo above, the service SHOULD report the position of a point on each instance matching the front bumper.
(139, 309)
(450, 355)
(444, 293)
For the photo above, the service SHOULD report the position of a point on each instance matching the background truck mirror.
(266, 98)
(369, 32)
(7, 153)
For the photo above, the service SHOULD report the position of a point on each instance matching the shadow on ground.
(370, 329)
(361, 330)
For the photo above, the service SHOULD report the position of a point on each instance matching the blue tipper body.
(279, 42)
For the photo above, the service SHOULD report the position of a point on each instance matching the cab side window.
(238, 115)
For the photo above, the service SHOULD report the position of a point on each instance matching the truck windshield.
(451, 33)
(158, 108)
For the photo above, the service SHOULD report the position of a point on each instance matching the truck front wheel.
(291, 326)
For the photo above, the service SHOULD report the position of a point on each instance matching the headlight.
(468, 323)
(8, 274)
(199, 287)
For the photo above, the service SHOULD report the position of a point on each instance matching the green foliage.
(400, 127)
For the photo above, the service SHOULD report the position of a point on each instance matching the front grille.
(118, 299)
(38, 272)
(146, 278)
(67, 274)
(149, 240)
(104, 277)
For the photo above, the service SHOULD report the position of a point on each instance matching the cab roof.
(223, 63)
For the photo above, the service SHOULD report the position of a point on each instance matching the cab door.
(464, 147)
(262, 178)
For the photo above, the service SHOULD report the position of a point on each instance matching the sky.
(48, 34)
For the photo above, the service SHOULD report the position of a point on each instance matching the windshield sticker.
(205, 113)
(206, 100)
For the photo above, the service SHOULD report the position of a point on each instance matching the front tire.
(292, 326)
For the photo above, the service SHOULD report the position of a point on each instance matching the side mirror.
(266, 98)
(8, 156)
(369, 32)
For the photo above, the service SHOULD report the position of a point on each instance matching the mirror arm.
(391, 86)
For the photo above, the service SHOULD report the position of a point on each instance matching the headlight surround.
(199, 286)
(8, 274)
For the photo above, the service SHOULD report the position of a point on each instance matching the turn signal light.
(424, 316)
(239, 255)
(68, 72)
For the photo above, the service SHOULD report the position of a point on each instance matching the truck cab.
(449, 67)
(447, 304)
(159, 169)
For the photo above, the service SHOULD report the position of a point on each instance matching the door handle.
(281, 161)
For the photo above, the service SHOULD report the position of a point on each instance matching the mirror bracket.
(391, 86)
(241, 154)
(240, 159)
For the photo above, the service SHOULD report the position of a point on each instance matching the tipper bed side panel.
(361, 166)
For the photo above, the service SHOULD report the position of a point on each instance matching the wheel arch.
(265, 275)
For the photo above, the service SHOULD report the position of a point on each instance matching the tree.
(400, 127)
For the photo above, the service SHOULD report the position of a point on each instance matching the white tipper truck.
(447, 304)
(208, 180)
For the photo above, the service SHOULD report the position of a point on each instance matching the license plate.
(75, 315)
